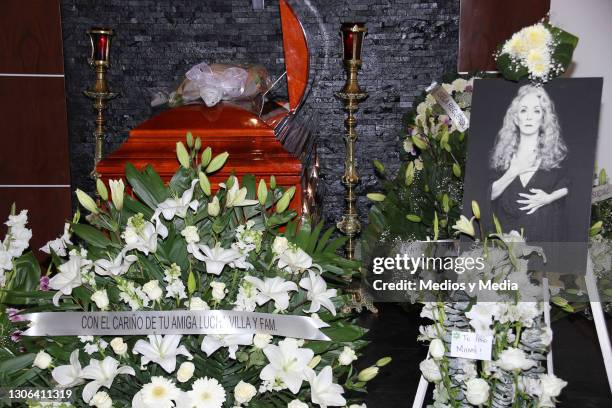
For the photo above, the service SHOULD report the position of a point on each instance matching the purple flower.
(16, 336)
(44, 283)
(13, 315)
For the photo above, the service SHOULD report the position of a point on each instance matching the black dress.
(546, 224)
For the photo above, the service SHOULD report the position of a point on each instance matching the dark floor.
(393, 332)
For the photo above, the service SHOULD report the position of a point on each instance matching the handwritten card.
(471, 345)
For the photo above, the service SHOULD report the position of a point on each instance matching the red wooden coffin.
(278, 144)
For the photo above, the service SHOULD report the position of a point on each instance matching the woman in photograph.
(529, 185)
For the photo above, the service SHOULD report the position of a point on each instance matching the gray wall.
(410, 43)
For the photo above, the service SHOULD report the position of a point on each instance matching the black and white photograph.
(531, 156)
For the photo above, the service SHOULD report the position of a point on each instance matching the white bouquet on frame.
(539, 52)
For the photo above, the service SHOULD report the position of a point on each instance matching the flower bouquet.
(515, 375)
(181, 252)
(539, 52)
(428, 188)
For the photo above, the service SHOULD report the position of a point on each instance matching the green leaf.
(91, 235)
(344, 332)
(181, 181)
(26, 279)
(17, 363)
(147, 185)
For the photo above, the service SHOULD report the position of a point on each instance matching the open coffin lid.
(279, 145)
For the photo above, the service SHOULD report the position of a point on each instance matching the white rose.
(261, 340)
(101, 400)
(280, 245)
(436, 349)
(296, 404)
(477, 391)
(191, 234)
(100, 298)
(347, 356)
(42, 360)
(152, 289)
(357, 406)
(514, 359)
(430, 370)
(550, 385)
(118, 346)
(244, 392)
(197, 303)
(218, 290)
(185, 371)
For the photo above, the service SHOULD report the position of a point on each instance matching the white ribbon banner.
(449, 105)
(173, 322)
(601, 193)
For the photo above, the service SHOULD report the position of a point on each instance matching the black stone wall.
(409, 44)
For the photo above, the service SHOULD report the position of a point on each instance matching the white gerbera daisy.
(160, 392)
(207, 393)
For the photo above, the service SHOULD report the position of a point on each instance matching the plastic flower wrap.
(181, 247)
(217, 82)
(539, 52)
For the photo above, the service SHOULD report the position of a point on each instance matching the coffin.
(280, 143)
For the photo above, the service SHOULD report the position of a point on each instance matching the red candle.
(100, 43)
(101, 47)
(348, 45)
(352, 36)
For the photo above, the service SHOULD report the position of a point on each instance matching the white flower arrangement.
(520, 339)
(171, 250)
(538, 52)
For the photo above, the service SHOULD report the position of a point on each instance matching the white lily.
(142, 235)
(288, 363)
(216, 258)
(294, 259)
(463, 225)
(161, 350)
(323, 391)
(175, 206)
(102, 373)
(318, 294)
(276, 289)
(213, 342)
(59, 245)
(236, 196)
(70, 276)
(69, 375)
(115, 267)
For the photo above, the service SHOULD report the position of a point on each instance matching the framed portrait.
(530, 162)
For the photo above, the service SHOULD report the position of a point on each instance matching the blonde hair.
(551, 149)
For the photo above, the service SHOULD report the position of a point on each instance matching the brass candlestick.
(351, 95)
(99, 93)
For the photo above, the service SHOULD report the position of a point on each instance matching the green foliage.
(424, 199)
